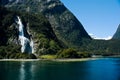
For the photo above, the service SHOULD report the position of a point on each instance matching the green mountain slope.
(45, 41)
(117, 33)
(64, 23)
(48, 19)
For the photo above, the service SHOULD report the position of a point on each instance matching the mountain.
(36, 26)
(117, 33)
(48, 24)
(65, 25)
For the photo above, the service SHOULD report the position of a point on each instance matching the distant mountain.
(117, 33)
(65, 25)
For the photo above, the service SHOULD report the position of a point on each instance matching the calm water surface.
(102, 69)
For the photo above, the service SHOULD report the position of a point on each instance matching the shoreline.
(56, 60)
(63, 59)
(19, 60)
(76, 60)
(60, 60)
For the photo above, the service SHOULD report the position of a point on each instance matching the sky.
(100, 18)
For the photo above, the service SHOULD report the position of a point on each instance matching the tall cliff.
(65, 25)
(38, 28)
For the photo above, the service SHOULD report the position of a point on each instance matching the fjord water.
(102, 69)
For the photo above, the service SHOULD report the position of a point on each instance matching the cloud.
(95, 37)
(105, 38)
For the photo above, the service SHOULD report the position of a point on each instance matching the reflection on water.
(103, 69)
(22, 72)
(26, 71)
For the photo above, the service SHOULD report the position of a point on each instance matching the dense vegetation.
(65, 25)
(72, 53)
(55, 31)
(13, 52)
(92, 47)
(44, 38)
(102, 47)
(67, 53)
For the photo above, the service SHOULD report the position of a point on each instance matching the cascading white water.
(27, 45)
(32, 45)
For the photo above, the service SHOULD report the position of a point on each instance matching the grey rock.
(65, 25)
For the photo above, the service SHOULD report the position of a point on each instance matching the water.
(102, 69)
(24, 38)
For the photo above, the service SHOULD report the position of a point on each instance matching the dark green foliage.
(114, 47)
(84, 54)
(20, 56)
(13, 52)
(67, 53)
(5, 21)
(43, 36)
(72, 53)
(9, 49)
(101, 47)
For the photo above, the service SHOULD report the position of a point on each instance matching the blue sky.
(99, 17)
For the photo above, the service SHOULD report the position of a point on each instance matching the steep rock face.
(45, 41)
(64, 23)
(117, 34)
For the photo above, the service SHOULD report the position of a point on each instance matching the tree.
(67, 53)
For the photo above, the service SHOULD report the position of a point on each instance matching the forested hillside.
(45, 41)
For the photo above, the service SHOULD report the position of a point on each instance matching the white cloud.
(95, 37)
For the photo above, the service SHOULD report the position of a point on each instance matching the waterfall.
(26, 42)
